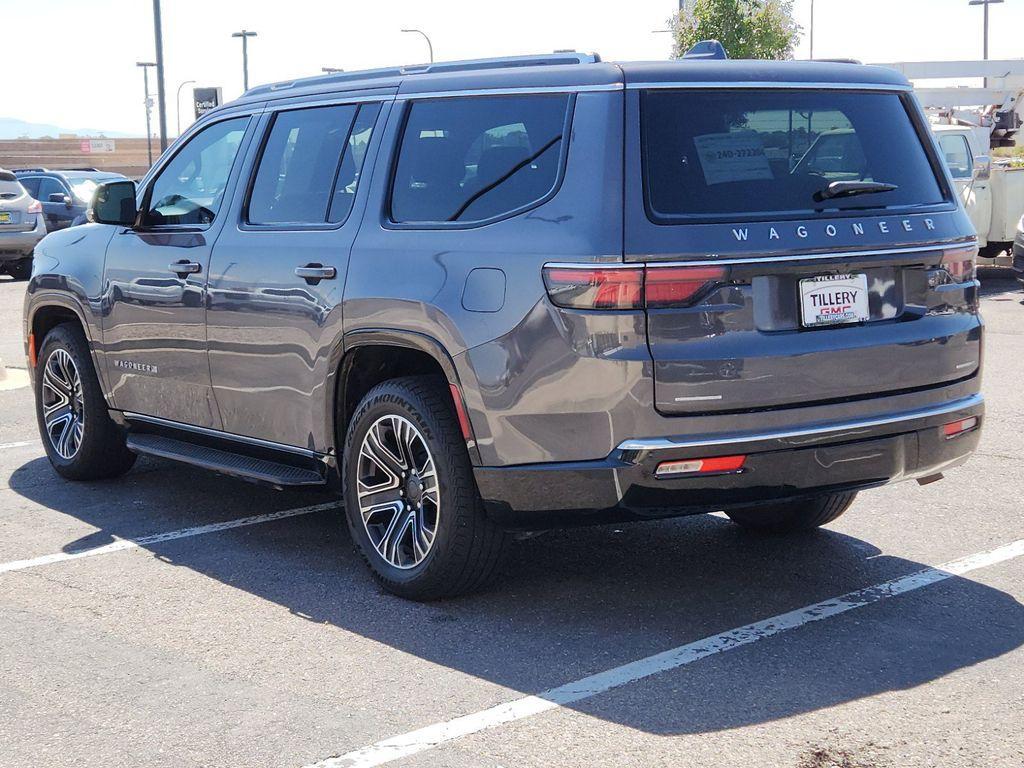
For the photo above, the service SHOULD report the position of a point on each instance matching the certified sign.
(206, 99)
(834, 299)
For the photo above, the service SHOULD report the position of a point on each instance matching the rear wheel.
(80, 439)
(411, 502)
(20, 269)
(788, 517)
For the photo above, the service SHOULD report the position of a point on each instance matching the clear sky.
(77, 58)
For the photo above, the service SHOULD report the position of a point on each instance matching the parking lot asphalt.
(136, 630)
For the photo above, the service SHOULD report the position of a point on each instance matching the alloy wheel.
(399, 497)
(63, 404)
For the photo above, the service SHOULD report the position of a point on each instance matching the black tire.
(20, 269)
(466, 549)
(101, 451)
(790, 517)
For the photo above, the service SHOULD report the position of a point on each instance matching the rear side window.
(957, 155)
(31, 186)
(475, 158)
(721, 154)
(308, 171)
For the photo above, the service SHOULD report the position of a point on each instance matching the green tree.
(749, 29)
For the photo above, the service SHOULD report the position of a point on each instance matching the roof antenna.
(707, 49)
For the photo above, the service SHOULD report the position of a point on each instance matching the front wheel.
(80, 439)
(792, 516)
(411, 502)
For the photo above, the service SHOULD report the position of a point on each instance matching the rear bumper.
(780, 465)
(18, 245)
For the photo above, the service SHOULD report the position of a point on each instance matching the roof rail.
(469, 65)
(30, 170)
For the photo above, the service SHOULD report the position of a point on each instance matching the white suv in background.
(21, 227)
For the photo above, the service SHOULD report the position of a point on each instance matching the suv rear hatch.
(801, 246)
(17, 209)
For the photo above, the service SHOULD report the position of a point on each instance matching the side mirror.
(982, 167)
(114, 203)
(57, 197)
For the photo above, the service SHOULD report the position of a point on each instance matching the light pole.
(245, 35)
(812, 30)
(429, 46)
(149, 104)
(985, 3)
(177, 103)
(159, 35)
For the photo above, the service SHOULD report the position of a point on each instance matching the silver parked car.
(21, 227)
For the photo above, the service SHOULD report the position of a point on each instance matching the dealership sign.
(206, 99)
(93, 146)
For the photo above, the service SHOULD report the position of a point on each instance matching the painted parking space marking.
(182, 533)
(19, 444)
(435, 735)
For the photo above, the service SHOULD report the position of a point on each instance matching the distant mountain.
(11, 128)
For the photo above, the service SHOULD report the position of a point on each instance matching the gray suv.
(484, 296)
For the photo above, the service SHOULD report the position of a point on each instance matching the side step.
(225, 462)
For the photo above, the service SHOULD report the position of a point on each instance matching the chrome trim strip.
(510, 91)
(762, 85)
(662, 444)
(130, 416)
(766, 259)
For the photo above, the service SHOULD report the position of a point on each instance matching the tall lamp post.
(812, 30)
(429, 46)
(177, 103)
(149, 105)
(985, 3)
(245, 35)
(159, 35)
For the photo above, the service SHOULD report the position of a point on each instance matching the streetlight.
(985, 3)
(429, 46)
(330, 70)
(149, 104)
(812, 30)
(159, 39)
(177, 103)
(245, 35)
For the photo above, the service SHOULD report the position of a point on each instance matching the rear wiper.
(851, 188)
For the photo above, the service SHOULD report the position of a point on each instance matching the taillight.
(672, 286)
(626, 288)
(713, 466)
(957, 428)
(959, 263)
(595, 288)
(35, 207)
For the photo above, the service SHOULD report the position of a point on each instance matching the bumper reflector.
(956, 428)
(700, 466)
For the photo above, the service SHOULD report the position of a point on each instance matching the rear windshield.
(722, 154)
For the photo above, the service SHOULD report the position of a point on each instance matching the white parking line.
(156, 538)
(435, 735)
(20, 444)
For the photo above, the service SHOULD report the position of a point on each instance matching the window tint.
(31, 186)
(299, 164)
(190, 188)
(468, 159)
(352, 163)
(957, 154)
(49, 186)
(726, 153)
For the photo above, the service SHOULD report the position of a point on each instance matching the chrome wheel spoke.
(397, 490)
(63, 404)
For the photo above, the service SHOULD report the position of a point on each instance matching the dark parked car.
(64, 195)
(521, 293)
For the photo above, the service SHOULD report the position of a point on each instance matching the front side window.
(474, 158)
(49, 186)
(190, 188)
(711, 154)
(957, 155)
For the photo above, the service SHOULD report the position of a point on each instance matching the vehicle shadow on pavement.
(575, 602)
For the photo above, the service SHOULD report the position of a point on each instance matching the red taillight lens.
(672, 286)
(959, 263)
(627, 287)
(35, 207)
(595, 288)
(957, 428)
(714, 465)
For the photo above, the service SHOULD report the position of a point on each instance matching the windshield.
(83, 188)
(720, 154)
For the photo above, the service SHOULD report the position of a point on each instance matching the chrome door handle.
(185, 268)
(314, 273)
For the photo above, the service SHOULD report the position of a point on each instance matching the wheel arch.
(45, 312)
(369, 357)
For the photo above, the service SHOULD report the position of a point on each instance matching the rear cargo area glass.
(719, 154)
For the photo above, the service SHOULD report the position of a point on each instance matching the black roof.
(573, 70)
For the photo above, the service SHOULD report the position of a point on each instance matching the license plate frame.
(6, 218)
(830, 300)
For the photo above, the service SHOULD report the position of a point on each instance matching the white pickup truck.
(993, 193)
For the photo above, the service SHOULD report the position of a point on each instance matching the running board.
(225, 462)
